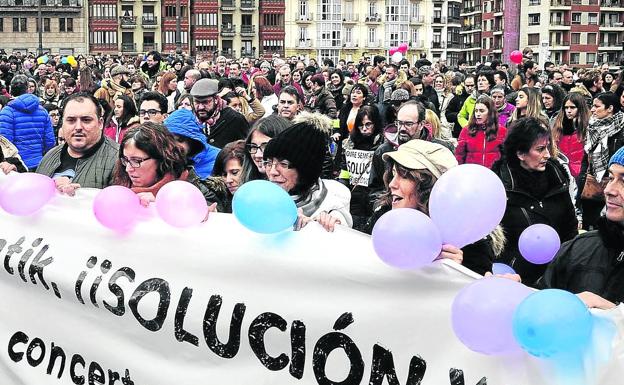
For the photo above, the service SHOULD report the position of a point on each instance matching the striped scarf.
(596, 144)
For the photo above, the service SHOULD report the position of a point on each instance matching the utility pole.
(40, 49)
(178, 39)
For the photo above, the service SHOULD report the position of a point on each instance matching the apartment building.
(64, 26)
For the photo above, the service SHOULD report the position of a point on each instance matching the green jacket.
(466, 111)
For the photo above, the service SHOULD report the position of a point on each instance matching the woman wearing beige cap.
(411, 172)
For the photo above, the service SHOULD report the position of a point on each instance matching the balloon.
(40, 60)
(403, 48)
(393, 50)
(406, 239)
(516, 57)
(482, 314)
(467, 203)
(501, 268)
(117, 208)
(264, 207)
(24, 194)
(397, 57)
(72, 62)
(181, 204)
(539, 243)
(551, 322)
(64, 60)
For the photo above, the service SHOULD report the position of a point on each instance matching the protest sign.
(359, 166)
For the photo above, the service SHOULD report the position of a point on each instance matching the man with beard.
(410, 125)
(152, 65)
(116, 86)
(221, 124)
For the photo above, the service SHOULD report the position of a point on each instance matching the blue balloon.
(501, 268)
(552, 322)
(264, 207)
(64, 60)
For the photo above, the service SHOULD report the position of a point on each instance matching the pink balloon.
(24, 194)
(393, 50)
(467, 203)
(181, 204)
(403, 48)
(117, 208)
(406, 238)
(539, 243)
(516, 57)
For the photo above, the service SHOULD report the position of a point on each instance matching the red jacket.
(112, 132)
(475, 149)
(572, 147)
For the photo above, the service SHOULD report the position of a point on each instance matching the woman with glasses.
(124, 117)
(149, 158)
(294, 161)
(259, 136)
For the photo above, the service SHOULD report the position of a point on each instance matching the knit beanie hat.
(618, 157)
(304, 145)
(399, 95)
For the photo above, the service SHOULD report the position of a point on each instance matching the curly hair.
(424, 184)
(159, 144)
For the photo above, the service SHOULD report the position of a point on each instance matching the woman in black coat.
(537, 192)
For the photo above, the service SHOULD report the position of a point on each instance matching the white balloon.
(397, 57)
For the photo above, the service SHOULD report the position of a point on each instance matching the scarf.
(311, 201)
(219, 106)
(158, 185)
(596, 144)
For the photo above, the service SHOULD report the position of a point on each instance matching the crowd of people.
(348, 141)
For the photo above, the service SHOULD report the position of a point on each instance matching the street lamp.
(40, 49)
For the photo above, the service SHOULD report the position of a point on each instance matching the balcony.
(438, 45)
(467, 10)
(47, 6)
(228, 5)
(248, 5)
(128, 47)
(453, 45)
(127, 21)
(248, 52)
(471, 45)
(149, 22)
(248, 30)
(349, 45)
(417, 20)
(304, 18)
(100, 47)
(150, 47)
(612, 4)
(373, 19)
(418, 44)
(471, 28)
(611, 24)
(612, 45)
(304, 44)
(228, 53)
(350, 18)
(559, 45)
(228, 30)
(559, 24)
(560, 4)
(374, 44)
(438, 20)
(454, 20)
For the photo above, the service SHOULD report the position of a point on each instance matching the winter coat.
(525, 208)
(8, 153)
(269, 102)
(110, 90)
(330, 196)
(323, 103)
(231, 126)
(28, 126)
(593, 261)
(476, 149)
(116, 133)
(455, 105)
(466, 111)
(572, 148)
(505, 113)
(185, 124)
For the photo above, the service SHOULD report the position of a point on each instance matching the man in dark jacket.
(221, 124)
(592, 264)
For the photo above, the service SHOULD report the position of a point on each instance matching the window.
(303, 33)
(533, 39)
(46, 24)
(19, 24)
(1, 24)
(372, 9)
(303, 9)
(575, 38)
(534, 2)
(103, 37)
(575, 58)
(170, 37)
(372, 35)
(170, 11)
(66, 24)
(209, 19)
(590, 58)
(591, 38)
(273, 20)
(592, 18)
(104, 11)
(206, 45)
(534, 19)
(576, 18)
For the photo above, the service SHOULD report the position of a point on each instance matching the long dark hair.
(579, 123)
(521, 135)
(129, 110)
(158, 144)
(232, 150)
(359, 140)
(491, 125)
(269, 126)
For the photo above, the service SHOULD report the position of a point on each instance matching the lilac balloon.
(539, 243)
(501, 268)
(24, 194)
(467, 203)
(117, 208)
(482, 315)
(181, 204)
(406, 238)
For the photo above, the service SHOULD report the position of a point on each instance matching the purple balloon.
(181, 204)
(117, 207)
(539, 243)
(406, 238)
(467, 203)
(482, 315)
(24, 194)
(501, 268)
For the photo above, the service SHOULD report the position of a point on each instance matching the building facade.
(64, 26)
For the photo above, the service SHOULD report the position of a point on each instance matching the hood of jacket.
(184, 123)
(27, 103)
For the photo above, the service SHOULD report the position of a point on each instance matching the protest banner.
(359, 166)
(218, 304)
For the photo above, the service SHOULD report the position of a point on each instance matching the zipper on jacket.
(526, 215)
(620, 257)
(484, 145)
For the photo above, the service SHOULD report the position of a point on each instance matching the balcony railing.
(472, 27)
(611, 23)
(453, 45)
(304, 44)
(228, 5)
(248, 30)
(454, 20)
(560, 3)
(419, 19)
(418, 44)
(46, 6)
(373, 18)
(248, 5)
(563, 23)
(247, 52)
(128, 47)
(150, 47)
(127, 21)
(374, 44)
(149, 21)
(475, 8)
(560, 43)
(350, 18)
(438, 20)
(611, 4)
(438, 44)
(349, 44)
(228, 30)
(304, 18)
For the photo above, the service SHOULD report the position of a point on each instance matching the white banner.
(217, 304)
(359, 166)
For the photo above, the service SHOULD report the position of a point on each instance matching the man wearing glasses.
(88, 157)
(220, 123)
(153, 107)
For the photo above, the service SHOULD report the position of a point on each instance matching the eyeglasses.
(281, 164)
(151, 112)
(407, 124)
(133, 162)
(253, 148)
(368, 125)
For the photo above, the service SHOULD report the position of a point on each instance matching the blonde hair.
(435, 123)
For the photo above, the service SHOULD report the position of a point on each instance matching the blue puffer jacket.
(184, 123)
(28, 126)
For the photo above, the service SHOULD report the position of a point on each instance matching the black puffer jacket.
(593, 261)
(532, 198)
